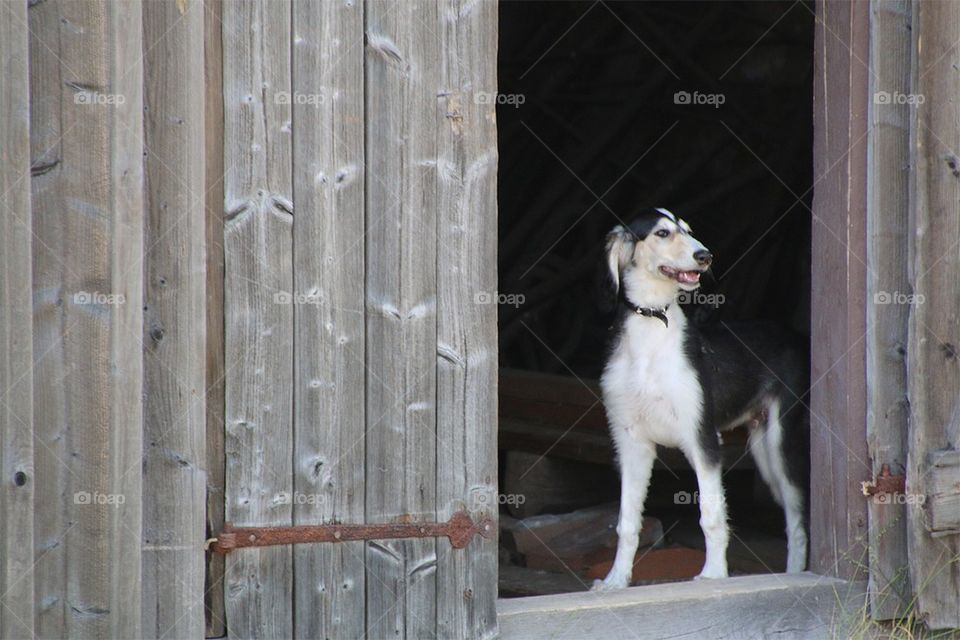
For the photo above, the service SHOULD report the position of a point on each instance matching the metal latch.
(459, 529)
(886, 483)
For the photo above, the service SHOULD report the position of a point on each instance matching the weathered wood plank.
(88, 302)
(838, 518)
(51, 449)
(16, 330)
(466, 359)
(402, 115)
(328, 104)
(943, 502)
(258, 317)
(933, 364)
(213, 188)
(174, 456)
(783, 606)
(888, 187)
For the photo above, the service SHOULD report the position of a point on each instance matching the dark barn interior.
(704, 108)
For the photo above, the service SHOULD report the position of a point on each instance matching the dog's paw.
(711, 574)
(602, 586)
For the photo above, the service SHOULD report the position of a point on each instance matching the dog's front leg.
(636, 464)
(713, 516)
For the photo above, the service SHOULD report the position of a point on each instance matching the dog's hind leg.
(767, 445)
(636, 464)
(713, 513)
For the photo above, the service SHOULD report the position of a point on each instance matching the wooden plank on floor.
(887, 238)
(16, 330)
(466, 356)
(328, 186)
(213, 190)
(402, 115)
(88, 316)
(933, 360)
(258, 312)
(792, 606)
(174, 456)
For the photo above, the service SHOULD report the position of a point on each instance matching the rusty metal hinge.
(885, 484)
(459, 529)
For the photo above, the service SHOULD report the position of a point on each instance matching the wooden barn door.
(359, 229)
(895, 190)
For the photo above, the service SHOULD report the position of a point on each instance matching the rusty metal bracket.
(885, 484)
(459, 529)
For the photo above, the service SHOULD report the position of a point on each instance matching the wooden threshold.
(783, 606)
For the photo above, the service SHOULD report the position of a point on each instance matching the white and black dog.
(669, 383)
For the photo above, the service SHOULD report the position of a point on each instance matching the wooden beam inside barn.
(17, 477)
(86, 130)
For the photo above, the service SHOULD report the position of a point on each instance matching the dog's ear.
(619, 251)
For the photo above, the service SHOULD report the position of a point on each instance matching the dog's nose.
(703, 257)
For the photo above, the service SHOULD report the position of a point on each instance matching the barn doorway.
(604, 108)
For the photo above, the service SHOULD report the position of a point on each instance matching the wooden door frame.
(833, 592)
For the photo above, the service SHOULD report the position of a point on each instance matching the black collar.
(647, 312)
(651, 313)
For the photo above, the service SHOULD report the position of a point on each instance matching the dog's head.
(653, 259)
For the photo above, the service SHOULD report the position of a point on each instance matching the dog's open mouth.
(683, 277)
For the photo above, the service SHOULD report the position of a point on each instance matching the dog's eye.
(662, 233)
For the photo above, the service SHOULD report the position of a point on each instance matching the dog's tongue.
(688, 277)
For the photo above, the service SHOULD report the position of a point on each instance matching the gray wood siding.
(328, 258)
(17, 479)
(174, 456)
(87, 127)
(258, 244)
(402, 83)
(888, 143)
(466, 331)
(933, 364)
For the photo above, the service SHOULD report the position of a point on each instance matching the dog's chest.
(649, 386)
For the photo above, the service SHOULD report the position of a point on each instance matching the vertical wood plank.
(16, 330)
(258, 318)
(466, 330)
(838, 520)
(933, 363)
(328, 246)
(174, 457)
(51, 446)
(88, 312)
(888, 143)
(402, 58)
(213, 189)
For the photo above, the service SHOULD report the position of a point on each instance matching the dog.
(669, 383)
